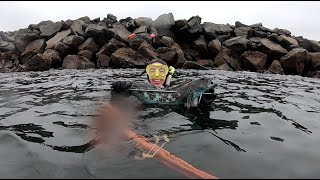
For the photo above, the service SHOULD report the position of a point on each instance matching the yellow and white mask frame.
(157, 70)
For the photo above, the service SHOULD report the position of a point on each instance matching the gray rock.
(163, 24)
(85, 53)
(103, 61)
(287, 42)
(24, 37)
(315, 60)
(52, 30)
(167, 54)
(147, 51)
(241, 31)
(295, 61)
(73, 40)
(62, 49)
(36, 63)
(44, 25)
(200, 44)
(167, 41)
(51, 43)
(272, 48)
(141, 29)
(214, 46)
(121, 33)
(217, 28)
(275, 68)
(100, 34)
(229, 57)
(253, 60)
(53, 57)
(77, 27)
(127, 57)
(237, 44)
(37, 46)
(239, 24)
(143, 21)
(90, 45)
(77, 62)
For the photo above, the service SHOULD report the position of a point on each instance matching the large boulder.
(295, 61)
(239, 24)
(52, 30)
(227, 56)
(24, 37)
(310, 45)
(163, 24)
(141, 29)
(167, 54)
(287, 42)
(180, 55)
(237, 44)
(214, 46)
(121, 33)
(103, 61)
(167, 41)
(315, 60)
(200, 44)
(37, 63)
(8, 36)
(6, 46)
(53, 57)
(143, 21)
(43, 25)
(256, 33)
(90, 45)
(253, 60)
(275, 68)
(62, 49)
(37, 46)
(77, 62)
(147, 51)
(73, 40)
(271, 48)
(194, 24)
(51, 43)
(127, 57)
(111, 47)
(221, 29)
(241, 31)
(86, 53)
(77, 27)
(100, 34)
(281, 31)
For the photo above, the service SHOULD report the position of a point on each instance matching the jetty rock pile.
(131, 43)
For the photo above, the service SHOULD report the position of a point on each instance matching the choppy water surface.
(260, 126)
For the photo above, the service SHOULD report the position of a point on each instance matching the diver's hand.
(120, 86)
(171, 70)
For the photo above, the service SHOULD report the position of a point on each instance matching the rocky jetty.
(131, 43)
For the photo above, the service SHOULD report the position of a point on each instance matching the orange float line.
(167, 158)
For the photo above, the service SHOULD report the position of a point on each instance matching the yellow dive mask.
(157, 70)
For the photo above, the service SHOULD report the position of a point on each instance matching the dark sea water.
(260, 126)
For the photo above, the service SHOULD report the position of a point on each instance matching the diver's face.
(157, 74)
(158, 82)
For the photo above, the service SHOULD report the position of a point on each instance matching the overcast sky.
(301, 18)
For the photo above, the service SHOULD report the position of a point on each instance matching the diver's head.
(157, 71)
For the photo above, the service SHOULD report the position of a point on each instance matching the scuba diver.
(159, 76)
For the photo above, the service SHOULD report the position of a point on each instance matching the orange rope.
(167, 158)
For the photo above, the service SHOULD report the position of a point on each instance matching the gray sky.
(301, 18)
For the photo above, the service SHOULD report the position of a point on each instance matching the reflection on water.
(259, 126)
